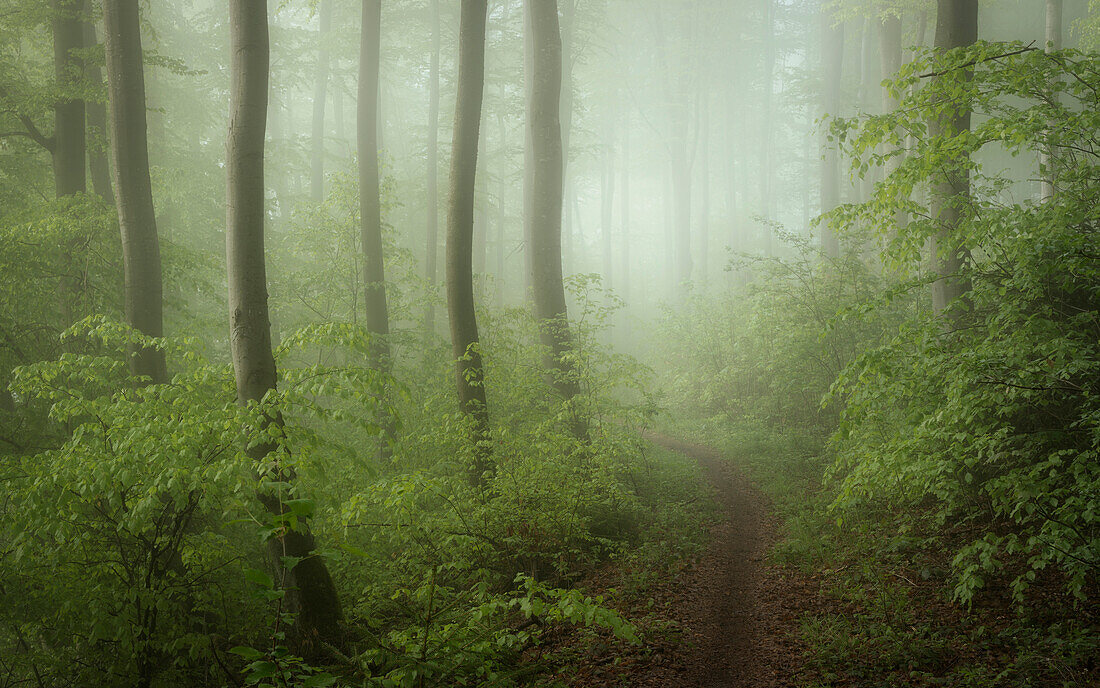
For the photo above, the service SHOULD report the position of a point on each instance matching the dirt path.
(738, 613)
(734, 615)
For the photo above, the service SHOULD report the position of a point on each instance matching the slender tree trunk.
(502, 193)
(543, 120)
(570, 229)
(309, 588)
(465, 342)
(370, 205)
(69, 144)
(625, 235)
(607, 198)
(768, 135)
(704, 191)
(320, 95)
(431, 261)
(1053, 44)
(130, 150)
(833, 62)
(96, 111)
(890, 57)
(528, 159)
(956, 27)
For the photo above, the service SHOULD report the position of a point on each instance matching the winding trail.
(738, 614)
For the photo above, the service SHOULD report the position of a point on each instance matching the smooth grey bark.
(956, 27)
(431, 250)
(370, 204)
(544, 123)
(704, 190)
(1053, 43)
(625, 235)
(130, 151)
(320, 95)
(607, 198)
(70, 138)
(309, 588)
(528, 157)
(502, 216)
(832, 43)
(570, 229)
(96, 121)
(767, 136)
(465, 342)
(890, 60)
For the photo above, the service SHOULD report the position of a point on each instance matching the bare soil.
(735, 615)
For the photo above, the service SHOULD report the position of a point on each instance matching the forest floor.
(733, 618)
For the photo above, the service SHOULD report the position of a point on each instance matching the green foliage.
(995, 422)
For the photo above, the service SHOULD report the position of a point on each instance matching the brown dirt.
(740, 611)
(735, 615)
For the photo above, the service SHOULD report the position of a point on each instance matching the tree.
(309, 589)
(96, 115)
(370, 203)
(544, 127)
(465, 341)
(832, 45)
(890, 59)
(69, 139)
(956, 27)
(320, 94)
(130, 150)
(1053, 43)
(431, 260)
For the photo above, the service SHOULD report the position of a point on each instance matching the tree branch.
(1030, 47)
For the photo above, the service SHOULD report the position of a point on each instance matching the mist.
(407, 343)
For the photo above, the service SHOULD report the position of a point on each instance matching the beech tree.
(956, 27)
(320, 94)
(130, 150)
(431, 251)
(544, 126)
(832, 53)
(69, 140)
(1053, 37)
(96, 116)
(370, 203)
(465, 340)
(309, 590)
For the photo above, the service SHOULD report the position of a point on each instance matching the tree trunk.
(768, 134)
(624, 214)
(833, 62)
(956, 27)
(370, 205)
(704, 191)
(130, 150)
(1053, 44)
(69, 142)
(96, 113)
(543, 121)
(309, 588)
(502, 193)
(469, 373)
(528, 159)
(890, 56)
(431, 262)
(572, 231)
(320, 95)
(607, 199)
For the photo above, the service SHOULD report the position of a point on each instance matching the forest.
(549, 343)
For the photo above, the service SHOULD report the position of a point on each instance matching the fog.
(411, 343)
